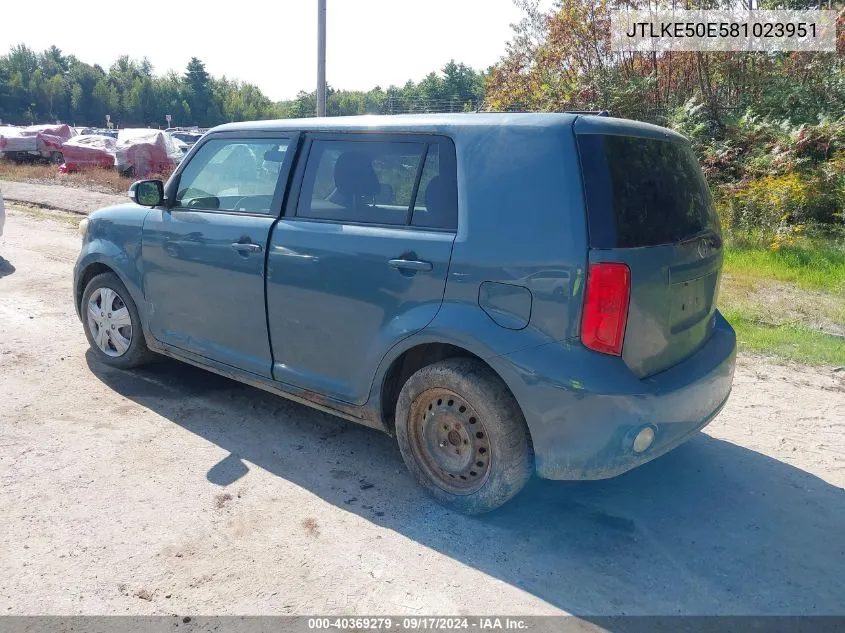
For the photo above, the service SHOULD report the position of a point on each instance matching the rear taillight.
(606, 307)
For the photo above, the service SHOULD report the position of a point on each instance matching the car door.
(203, 258)
(359, 261)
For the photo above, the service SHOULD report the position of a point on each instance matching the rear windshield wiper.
(713, 235)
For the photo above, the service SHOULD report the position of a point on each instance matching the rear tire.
(463, 436)
(112, 324)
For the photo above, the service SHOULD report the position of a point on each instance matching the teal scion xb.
(503, 293)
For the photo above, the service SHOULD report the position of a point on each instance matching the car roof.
(452, 123)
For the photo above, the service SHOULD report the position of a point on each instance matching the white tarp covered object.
(143, 151)
(12, 139)
(44, 139)
(88, 150)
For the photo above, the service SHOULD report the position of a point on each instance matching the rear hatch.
(649, 207)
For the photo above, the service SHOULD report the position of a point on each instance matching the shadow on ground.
(711, 528)
(6, 267)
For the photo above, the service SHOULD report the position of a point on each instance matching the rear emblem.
(704, 249)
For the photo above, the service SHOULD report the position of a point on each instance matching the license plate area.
(691, 302)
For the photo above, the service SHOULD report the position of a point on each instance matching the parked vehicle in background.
(143, 151)
(504, 293)
(36, 143)
(189, 138)
(183, 148)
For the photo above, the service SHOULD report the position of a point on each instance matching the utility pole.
(321, 57)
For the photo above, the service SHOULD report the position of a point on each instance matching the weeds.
(787, 302)
(40, 213)
(102, 180)
(792, 342)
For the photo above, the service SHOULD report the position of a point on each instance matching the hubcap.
(109, 322)
(449, 441)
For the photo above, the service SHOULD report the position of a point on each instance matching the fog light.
(644, 439)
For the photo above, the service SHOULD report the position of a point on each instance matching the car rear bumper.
(584, 409)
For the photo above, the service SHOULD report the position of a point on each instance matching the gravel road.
(172, 490)
(70, 199)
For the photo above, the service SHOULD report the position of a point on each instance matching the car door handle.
(410, 264)
(247, 247)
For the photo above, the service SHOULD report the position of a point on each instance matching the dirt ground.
(67, 198)
(172, 490)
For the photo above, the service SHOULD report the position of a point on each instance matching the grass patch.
(33, 211)
(774, 303)
(787, 303)
(820, 265)
(791, 342)
(95, 179)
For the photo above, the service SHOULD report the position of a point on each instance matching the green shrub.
(771, 179)
(773, 204)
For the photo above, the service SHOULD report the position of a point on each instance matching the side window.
(436, 206)
(232, 175)
(360, 181)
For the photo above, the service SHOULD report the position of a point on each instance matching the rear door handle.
(410, 264)
(247, 247)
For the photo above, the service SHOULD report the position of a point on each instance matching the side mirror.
(147, 193)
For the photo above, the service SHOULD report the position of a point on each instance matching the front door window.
(233, 175)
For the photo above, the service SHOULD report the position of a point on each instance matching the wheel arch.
(86, 275)
(411, 360)
(97, 263)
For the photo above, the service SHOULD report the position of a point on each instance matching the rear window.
(643, 192)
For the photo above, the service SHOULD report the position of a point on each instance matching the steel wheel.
(109, 322)
(449, 441)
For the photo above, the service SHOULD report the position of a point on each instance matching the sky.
(272, 44)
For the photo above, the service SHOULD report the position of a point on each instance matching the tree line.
(51, 86)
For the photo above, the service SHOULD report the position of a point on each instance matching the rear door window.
(370, 182)
(643, 192)
(393, 182)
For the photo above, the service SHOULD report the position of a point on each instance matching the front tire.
(463, 436)
(112, 324)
